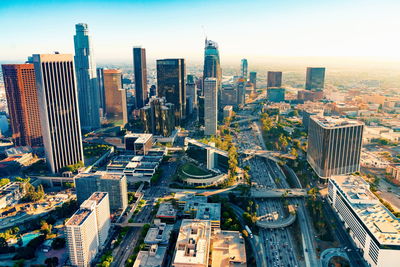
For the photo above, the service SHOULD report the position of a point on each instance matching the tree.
(58, 243)
(45, 228)
(51, 262)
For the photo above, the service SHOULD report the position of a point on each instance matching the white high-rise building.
(210, 106)
(88, 228)
(59, 112)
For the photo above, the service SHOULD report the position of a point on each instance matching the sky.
(256, 30)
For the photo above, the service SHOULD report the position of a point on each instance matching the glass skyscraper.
(140, 72)
(171, 85)
(244, 68)
(88, 92)
(315, 79)
(212, 65)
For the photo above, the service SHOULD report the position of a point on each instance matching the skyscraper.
(115, 97)
(276, 94)
(23, 107)
(158, 117)
(210, 106)
(171, 85)
(212, 65)
(274, 79)
(191, 92)
(100, 86)
(315, 79)
(253, 79)
(88, 92)
(334, 145)
(244, 68)
(140, 72)
(59, 111)
(241, 91)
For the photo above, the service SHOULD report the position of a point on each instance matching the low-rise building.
(228, 249)
(193, 244)
(228, 111)
(373, 228)
(140, 144)
(394, 171)
(153, 257)
(10, 194)
(204, 211)
(166, 211)
(159, 234)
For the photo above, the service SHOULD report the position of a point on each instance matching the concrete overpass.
(277, 224)
(277, 193)
(248, 119)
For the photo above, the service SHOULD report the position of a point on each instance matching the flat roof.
(79, 217)
(159, 234)
(334, 122)
(98, 196)
(166, 210)
(228, 249)
(151, 258)
(192, 246)
(141, 137)
(374, 215)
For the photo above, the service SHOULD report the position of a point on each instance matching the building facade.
(23, 106)
(140, 73)
(334, 145)
(210, 106)
(113, 183)
(86, 76)
(276, 94)
(115, 97)
(158, 117)
(315, 79)
(244, 66)
(100, 86)
(274, 79)
(171, 84)
(253, 79)
(212, 64)
(59, 111)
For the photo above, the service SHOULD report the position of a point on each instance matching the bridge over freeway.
(285, 222)
(277, 193)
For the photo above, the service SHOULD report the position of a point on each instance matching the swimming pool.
(28, 237)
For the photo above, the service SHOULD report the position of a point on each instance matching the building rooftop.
(79, 217)
(97, 196)
(159, 234)
(375, 216)
(109, 176)
(192, 246)
(204, 211)
(166, 210)
(335, 122)
(228, 249)
(154, 257)
(141, 137)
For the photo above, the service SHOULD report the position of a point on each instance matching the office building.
(191, 92)
(229, 95)
(193, 244)
(212, 64)
(228, 249)
(276, 94)
(244, 68)
(210, 106)
(334, 145)
(158, 117)
(140, 144)
(373, 228)
(86, 77)
(171, 75)
(241, 91)
(307, 95)
(228, 112)
(166, 211)
(23, 106)
(315, 79)
(112, 183)
(100, 86)
(204, 211)
(101, 203)
(140, 73)
(274, 79)
(153, 91)
(115, 97)
(58, 109)
(307, 113)
(253, 79)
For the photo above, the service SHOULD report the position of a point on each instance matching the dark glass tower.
(315, 79)
(274, 79)
(244, 68)
(171, 85)
(253, 79)
(88, 93)
(140, 72)
(212, 65)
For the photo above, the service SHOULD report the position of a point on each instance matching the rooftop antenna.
(204, 33)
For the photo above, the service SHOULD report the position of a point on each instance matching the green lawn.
(192, 169)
